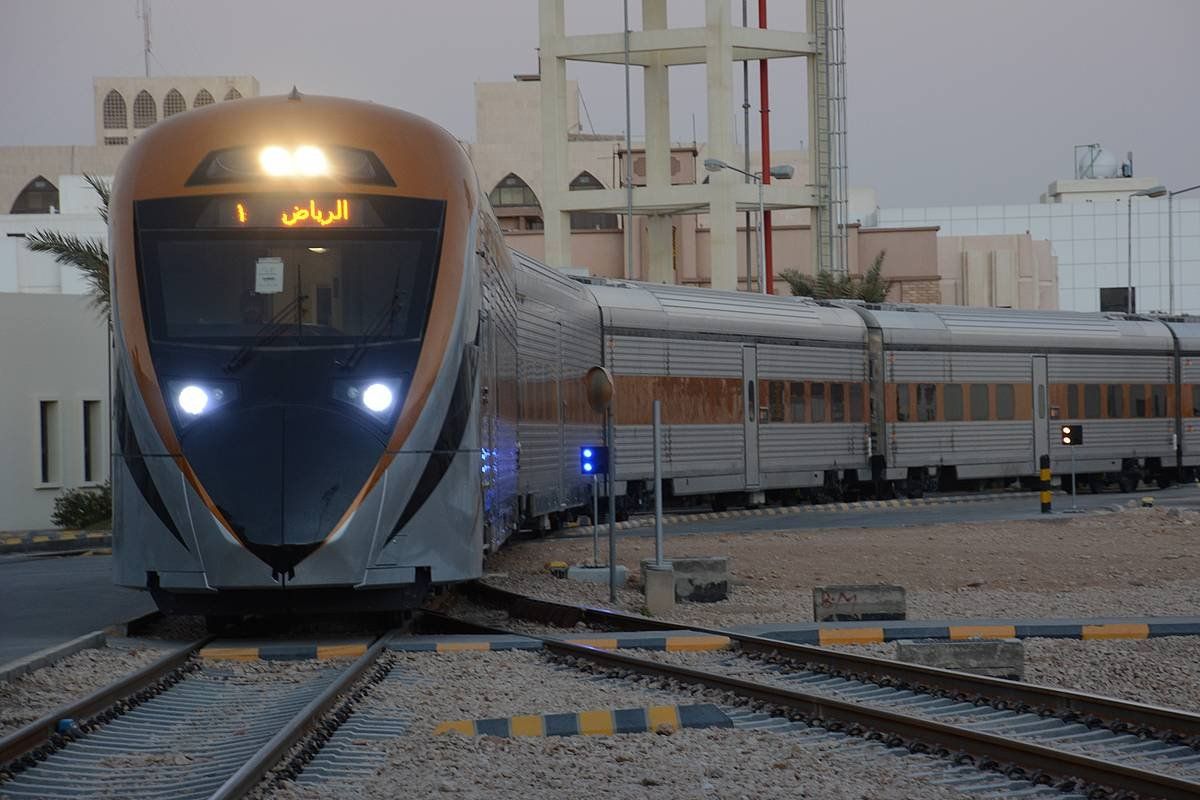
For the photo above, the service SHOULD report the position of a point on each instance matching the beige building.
(123, 108)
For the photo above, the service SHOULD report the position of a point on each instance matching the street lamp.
(1153, 191)
(1171, 244)
(783, 172)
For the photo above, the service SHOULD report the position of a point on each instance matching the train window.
(1041, 401)
(856, 402)
(775, 407)
(1091, 401)
(903, 409)
(818, 402)
(1137, 400)
(1072, 401)
(1158, 393)
(1006, 401)
(926, 402)
(952, 397)
(798, 397)
(1116, 401)
(837, 401)
(979, 402)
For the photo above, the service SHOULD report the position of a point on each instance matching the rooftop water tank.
(1096, 162)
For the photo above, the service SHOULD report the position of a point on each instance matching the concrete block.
(704, 579)
(997, 658)
(659, 586)
(596, 574)
(857, 603)
(42, 658)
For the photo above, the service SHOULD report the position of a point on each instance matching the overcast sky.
(950, 101)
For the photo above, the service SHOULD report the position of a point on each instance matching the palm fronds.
(871, 287)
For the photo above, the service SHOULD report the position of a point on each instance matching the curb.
(48, 656)
(632, 640)
(602, 722)
(52, 541)
(960, 630)
(861, 505)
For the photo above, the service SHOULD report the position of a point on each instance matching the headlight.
(194, 399)
(377, 396)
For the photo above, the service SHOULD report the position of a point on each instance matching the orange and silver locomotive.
(314, 384)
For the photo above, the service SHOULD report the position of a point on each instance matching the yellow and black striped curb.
(283, 651)
(634, 640)
(603, 722)
(874, 633)
(784, 511)
(52, 540)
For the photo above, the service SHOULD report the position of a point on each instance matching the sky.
(949, 102)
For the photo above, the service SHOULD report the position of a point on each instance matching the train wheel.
(1096, 482)
(1165, 479)
(1128, 482)
(219, 623)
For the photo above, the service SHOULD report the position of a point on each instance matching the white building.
(1104, 238)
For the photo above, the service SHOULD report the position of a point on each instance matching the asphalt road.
(47, 600)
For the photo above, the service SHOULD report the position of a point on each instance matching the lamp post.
(782, 172)
(1153, 191)
(1171, 244)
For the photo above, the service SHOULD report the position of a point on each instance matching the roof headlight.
(276, 161)
(310, 161)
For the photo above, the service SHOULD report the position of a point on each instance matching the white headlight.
(193, 400)
(276, 161)
(377, 397)
(310, 161)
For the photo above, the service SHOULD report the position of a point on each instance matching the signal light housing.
(1071, 435)
(593, 460)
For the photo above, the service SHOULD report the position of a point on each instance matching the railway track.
(179, 729)
(1074, 741)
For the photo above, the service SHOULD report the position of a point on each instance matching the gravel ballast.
(27, 697)
(1137, 562)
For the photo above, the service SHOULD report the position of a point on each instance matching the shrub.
(79, 508)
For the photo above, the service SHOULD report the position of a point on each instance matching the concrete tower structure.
(656, 48)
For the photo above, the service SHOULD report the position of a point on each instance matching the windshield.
(301, 288)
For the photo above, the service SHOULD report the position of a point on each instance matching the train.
(335, 388)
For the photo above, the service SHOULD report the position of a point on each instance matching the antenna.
(143, 13)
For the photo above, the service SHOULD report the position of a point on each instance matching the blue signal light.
(593, 460)
(587, 466)
(587, 452)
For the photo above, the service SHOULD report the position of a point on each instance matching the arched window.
(116, 116)
(590, 220)
(233, 94)
(517, 207)
(203, 98)
(145, 110)
(38, 196)
(173, 104)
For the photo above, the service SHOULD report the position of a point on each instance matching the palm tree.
(871, 287)
(89, 256)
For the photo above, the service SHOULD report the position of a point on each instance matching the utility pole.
(144, 15)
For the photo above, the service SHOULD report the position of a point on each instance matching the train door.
(487, 417)
(1041, 423)
(750, 418)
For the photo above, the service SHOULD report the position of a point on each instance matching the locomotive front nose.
(282, 475)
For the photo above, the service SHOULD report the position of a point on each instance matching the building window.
(952, 398)
(50, 468)
(93, 441)
(116, 140)
(796, 390)
(1005, 401)
(145, 110)
(203, 98)
(517, 207)
(39, 196)
(116, 116)
(979, 402)
(590, 220)
(233, 94)
(926, 402)
(1117, 299)
(173, 104)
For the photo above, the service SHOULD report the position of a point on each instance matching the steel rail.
(39, 732)
(1040, 763)
(249, 774)
(1117, 714)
